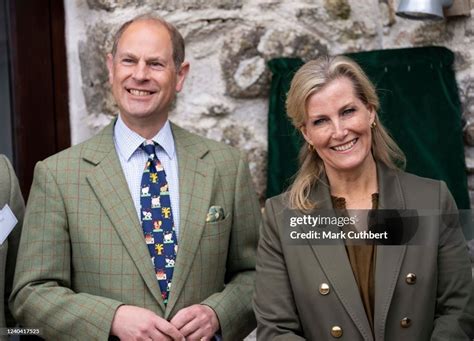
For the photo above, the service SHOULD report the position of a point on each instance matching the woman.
(356, 292)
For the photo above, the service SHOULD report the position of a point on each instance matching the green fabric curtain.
(420, 107)
(284, 141)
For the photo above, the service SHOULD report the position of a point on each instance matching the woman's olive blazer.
(291, 304)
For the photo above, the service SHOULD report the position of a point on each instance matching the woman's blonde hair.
(311, 78)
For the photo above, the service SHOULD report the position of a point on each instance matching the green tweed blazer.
(9, 194)
(83, 254)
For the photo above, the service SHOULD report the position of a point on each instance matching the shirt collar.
(129, 141)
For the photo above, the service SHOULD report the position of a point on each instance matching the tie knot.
(149, 147)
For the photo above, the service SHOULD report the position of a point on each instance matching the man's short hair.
(177, 40)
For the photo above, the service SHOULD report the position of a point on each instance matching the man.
(10, 195)
(98, 228)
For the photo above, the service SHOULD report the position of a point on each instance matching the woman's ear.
(372, 115)
(305, 135)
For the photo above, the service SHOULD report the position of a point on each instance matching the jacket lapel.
(335, 264)
(389, 258)
(196, 179)
(110, 186)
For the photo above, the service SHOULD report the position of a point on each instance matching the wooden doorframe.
(39, 83)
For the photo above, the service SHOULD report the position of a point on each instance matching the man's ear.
(181, 75)
(110, 67)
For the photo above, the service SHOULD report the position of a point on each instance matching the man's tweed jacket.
(83, 252)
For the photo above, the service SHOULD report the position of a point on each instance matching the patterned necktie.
(157, 220)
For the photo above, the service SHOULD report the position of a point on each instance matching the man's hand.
(196, 322)
(135, 323)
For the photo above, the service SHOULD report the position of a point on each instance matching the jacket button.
(411, 278)
(336, 332)
(324, 289)
(405, 322)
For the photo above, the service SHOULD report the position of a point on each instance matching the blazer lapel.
(389, 258)
(335, 264)
(110, 186)
(196, 179)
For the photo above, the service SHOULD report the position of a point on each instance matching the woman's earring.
(310, 148)
(373, 124)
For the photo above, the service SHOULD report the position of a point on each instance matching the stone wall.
(228, 44)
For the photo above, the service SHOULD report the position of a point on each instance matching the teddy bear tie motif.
(157, 220)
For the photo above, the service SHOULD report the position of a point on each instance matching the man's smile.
(140, 92)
